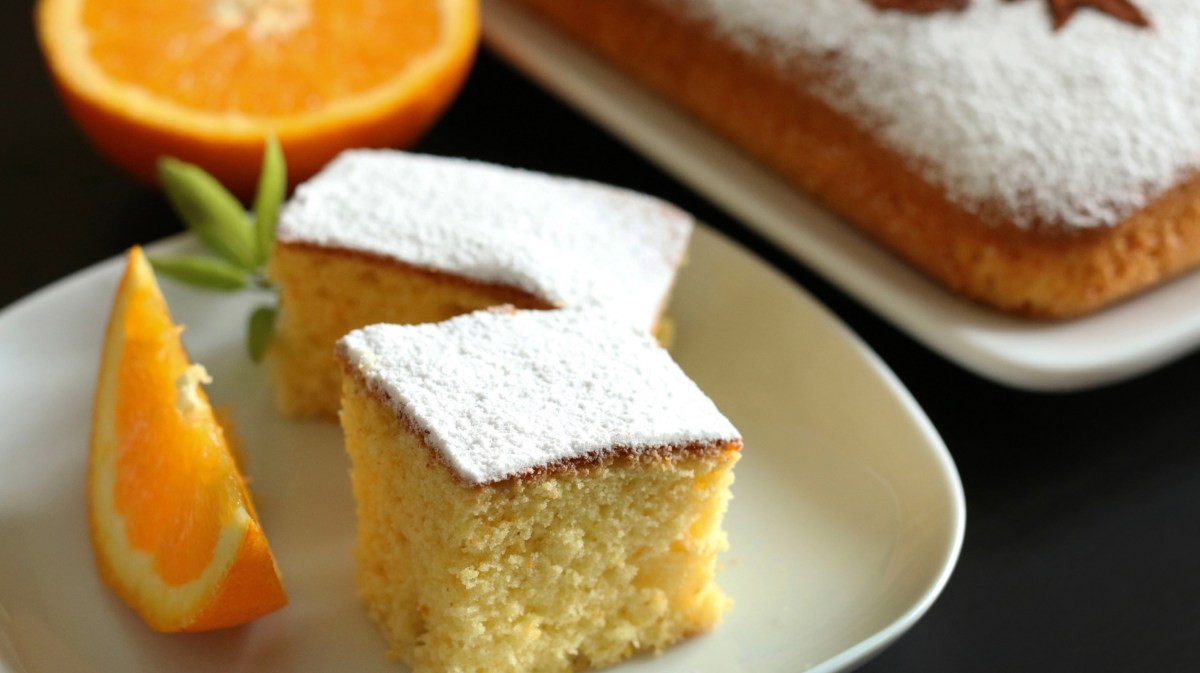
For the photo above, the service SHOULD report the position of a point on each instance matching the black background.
(1083, 508)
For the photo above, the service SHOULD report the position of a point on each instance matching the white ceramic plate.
(847, 519)
(1118, 343)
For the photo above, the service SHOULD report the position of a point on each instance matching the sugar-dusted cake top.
(498, 394)
(570, 242)
(1079, 127)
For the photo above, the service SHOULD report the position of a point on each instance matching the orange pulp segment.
(173, 528)
(206, 80)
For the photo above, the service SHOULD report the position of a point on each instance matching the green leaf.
(206, 272)
(210, 211)
(259, 331)
(272, 187)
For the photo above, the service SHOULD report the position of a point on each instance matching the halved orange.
(206, 80)
(173, 528)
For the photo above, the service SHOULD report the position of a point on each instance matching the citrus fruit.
(173, 529)
(206, 80)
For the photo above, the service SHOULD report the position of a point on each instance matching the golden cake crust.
(1042, 270)
(504, 294)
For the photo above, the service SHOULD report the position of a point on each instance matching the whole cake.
(537, 491)
(385, 236)
(1037, 156)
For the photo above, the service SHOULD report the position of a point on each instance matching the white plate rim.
(1121, 342)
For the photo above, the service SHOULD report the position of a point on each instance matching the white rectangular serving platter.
(1126, 340)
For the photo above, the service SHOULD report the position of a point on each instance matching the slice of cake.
(384, 236)
(537, 491)
(1041, 157)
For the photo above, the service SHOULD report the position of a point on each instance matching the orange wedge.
(206, 80)
(173, 529)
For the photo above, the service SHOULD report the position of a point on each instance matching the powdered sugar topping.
(1079, 127)
(498, 394)
(569, 242)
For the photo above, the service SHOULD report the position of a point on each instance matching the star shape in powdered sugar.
(1124, 10)
(1060, 10)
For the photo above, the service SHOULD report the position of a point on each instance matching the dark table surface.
(1083, 534)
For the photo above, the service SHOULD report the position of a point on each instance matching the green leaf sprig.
(240, 243)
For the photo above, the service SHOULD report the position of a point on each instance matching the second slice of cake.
(390, 237)
(538, 491)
